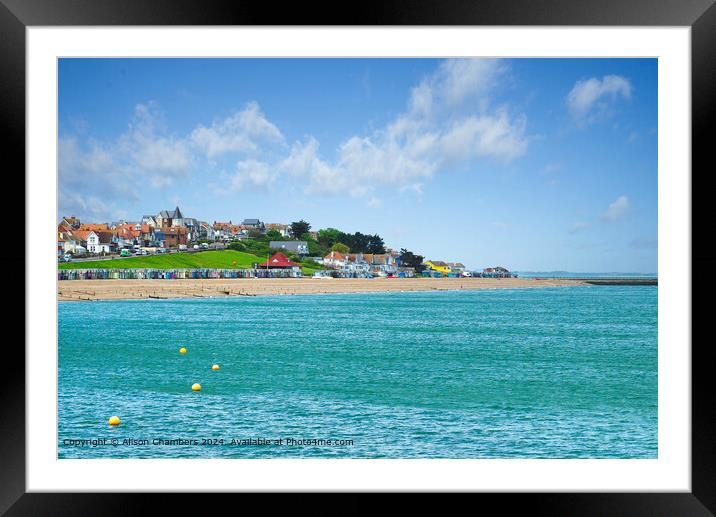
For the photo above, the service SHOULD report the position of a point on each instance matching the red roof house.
(279, 261)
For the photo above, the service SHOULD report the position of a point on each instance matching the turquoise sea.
(566, 372)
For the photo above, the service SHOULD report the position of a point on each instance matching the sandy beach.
(74, 290)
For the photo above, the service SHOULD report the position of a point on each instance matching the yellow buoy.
(182, 350)
(114, 420)
(196, 387)
(215, 367)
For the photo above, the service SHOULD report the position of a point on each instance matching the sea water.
(567, 372)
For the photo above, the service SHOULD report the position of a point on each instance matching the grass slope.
(223, 259)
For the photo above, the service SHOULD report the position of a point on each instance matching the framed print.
(441, 249)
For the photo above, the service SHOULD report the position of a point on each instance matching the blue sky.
(533, 164)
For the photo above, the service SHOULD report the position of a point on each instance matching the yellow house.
(437, 265)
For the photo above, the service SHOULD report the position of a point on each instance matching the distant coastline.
(571, 274)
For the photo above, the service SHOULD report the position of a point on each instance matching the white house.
(335, 259)
(99, 242)
(92, 242)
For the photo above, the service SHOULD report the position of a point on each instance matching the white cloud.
(578, 227)
(146, 154)
(421, 99)
(415, 188)
(77, 164)
(161, 181)
(448, 120)
(461, 79)
(617, 209)
(375, 202)
(361, 162)
(252, 174)
(455, 82)
(90, 179)
(147, 146)
(241, 132)
(91, 207)
(160, 154)
(488, 135)
(303, 159)
(114, 171)
(589, 99)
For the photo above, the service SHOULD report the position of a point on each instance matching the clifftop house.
(253, 224)
(300, 247)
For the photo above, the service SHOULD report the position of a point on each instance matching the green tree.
(410, 259)
(298, 228)
(315, 249)
(328, 236)
(340, 248)
(274, 235)
(375, 244)
(237, 246)
(362, 243)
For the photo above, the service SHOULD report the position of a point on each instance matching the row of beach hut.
(168, 274)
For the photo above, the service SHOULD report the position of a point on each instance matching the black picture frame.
(700, 15)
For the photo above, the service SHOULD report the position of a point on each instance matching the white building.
(335, 259)
(300, 247)
(99, 242)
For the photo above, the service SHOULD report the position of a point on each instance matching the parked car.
(196, 246)
(204, 246)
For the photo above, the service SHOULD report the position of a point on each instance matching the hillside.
(223, 259)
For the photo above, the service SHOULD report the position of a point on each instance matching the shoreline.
(90, 290)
